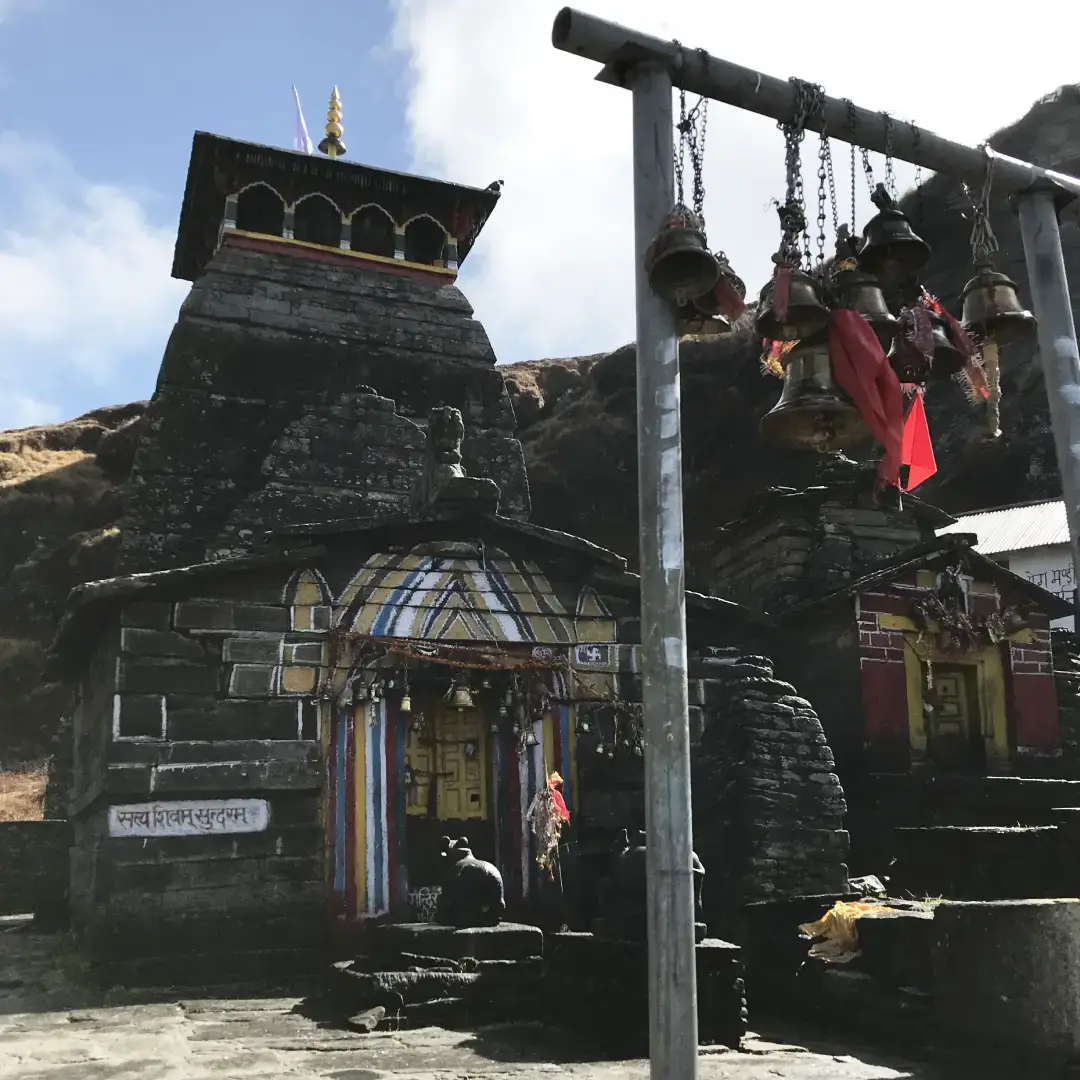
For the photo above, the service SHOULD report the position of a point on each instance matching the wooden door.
(447, 755)
(954, 728)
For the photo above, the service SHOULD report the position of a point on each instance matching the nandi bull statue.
(472, 893)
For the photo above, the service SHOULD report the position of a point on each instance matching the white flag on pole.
(301, 139)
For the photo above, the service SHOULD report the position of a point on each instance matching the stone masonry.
(271, 350)
(768, 806)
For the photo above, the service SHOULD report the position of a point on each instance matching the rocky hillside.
(62, 487)
(61, 496)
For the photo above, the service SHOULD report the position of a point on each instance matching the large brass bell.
(890, 245)
(679, 264)
(813, 413)
(806, 313)
(992, 310)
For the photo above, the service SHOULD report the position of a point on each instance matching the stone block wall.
(1065, 657)
(768, 806)
(33, 867)
(198, 843)
(797, 545)
(271, 350)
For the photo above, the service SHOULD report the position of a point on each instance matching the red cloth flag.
(918, 451)
(561, 811)
(862, 372)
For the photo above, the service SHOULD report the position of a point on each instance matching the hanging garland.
(547, 814)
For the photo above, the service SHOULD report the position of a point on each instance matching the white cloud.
(553, 274)
(85, 292)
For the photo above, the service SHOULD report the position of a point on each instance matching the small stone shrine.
(600, 980)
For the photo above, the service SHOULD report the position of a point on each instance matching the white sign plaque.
(190, 817)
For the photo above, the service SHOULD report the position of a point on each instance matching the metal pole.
(1057, 343)
(673, 1030)
(620, 49)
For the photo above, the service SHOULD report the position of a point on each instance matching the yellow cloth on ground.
(836, 940)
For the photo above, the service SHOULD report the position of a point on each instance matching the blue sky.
(111, 90)
(99, 100)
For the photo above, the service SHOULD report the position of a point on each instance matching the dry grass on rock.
(22, 794)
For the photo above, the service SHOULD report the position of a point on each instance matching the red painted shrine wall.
(884, 682)
(1032, 694)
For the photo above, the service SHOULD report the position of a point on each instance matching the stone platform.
(599, 986)
(420, 973)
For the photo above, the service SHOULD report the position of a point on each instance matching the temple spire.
(332, 146)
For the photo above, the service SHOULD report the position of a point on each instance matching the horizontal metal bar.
(619, 48)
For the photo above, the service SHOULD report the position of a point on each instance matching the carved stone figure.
(472, 894)
(623, 900)
(443, 480)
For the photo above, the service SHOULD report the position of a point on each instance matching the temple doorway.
(953, 718)
(447, 782)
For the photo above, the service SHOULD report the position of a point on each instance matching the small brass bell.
(860, 291)
(678, 262)
(948, 359)
(460, 697)
(805, 314)
(891, 247)
(690, 320)
(813, 413)
(727, 298)
(406, 703)
(992, 309)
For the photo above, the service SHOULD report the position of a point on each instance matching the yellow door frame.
(990, 686)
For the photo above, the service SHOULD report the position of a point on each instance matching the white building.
(1030, 539)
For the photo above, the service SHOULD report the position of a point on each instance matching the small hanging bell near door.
(530, 738)
(406, 703)
(891, 247)
(992, 310)
(813, 413)
(678, 263)
(791, 306)
(459, 696)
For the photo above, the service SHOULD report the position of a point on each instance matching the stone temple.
(337, 638)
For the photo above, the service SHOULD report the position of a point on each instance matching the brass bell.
(912, 354)
(690, 320)
(992, 309)
(805, 314)
(678, 262)
(460, 697)
(860, 291)
(406, 703)
(891, 247)
(948, 359)
(813, 413)
(727, 298)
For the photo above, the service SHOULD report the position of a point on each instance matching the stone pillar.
(1008, 972)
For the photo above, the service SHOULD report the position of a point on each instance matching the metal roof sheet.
(1015, 528)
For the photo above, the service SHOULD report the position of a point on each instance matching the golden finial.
(332, 146)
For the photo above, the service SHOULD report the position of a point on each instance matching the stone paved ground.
(50, 1029)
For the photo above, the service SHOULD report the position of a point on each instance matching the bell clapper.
(993, 386)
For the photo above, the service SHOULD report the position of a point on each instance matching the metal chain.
(691, 128)
(680, 152)
(825, 177)
(920, 207)
(890, 175)
(867, 169)
(983, 241)
(809, 101)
